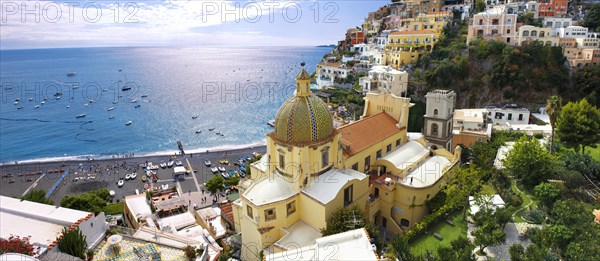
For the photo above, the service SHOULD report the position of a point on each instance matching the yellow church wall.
(397, 107)
(312, 212)
(237, 210)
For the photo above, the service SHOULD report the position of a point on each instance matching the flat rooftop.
(328, 185)
(427, 173)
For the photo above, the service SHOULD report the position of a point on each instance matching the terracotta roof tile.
(228, 210)
(363, 133)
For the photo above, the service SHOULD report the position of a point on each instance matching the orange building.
(549, 8)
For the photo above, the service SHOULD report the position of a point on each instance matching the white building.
(438, 116)
(385, 78)
(573, 31)
(508, 115)
(45, 223)
(558, 22)
(529, 33)
(329, 71)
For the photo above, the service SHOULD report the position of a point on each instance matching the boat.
(104, 90)
(211, 129)
(75, 86)
(120, 70)
(68, 106)
(111, 108)
(43, 102)
(71, 74)
(111, 117)
(57, 97)
(194, 117)
(37, 106)
(207, 163)
(30, 99)
(57, 94)
(144, 95)
(18, 99)
(128, 123)
(134, 101)
(120, 183)
(91, 101)
(164, 186)
(170, 163)
(198, 131)
(80, 116)
(163, 165)
(214, 170)
(221, 169)
(144, 178)
(85, 105)
(133, 175)
(16, 102)
(271, 123)
(115, 102)
(225, 175)
(127, 176)
(20, 107)
(137, 106)
(178, 163)
(111, 193)
(126, 88)
(222, 134)
(218, 133)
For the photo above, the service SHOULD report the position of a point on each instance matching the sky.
(64, 24)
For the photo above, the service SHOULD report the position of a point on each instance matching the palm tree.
(553, 107)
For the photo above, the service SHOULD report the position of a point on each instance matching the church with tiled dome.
(311, 169)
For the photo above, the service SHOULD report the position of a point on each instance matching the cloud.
(49, 23)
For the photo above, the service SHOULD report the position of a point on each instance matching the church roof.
(303, 120)
(406, 155)
(269, 190)
(328, 185)
(363, 133)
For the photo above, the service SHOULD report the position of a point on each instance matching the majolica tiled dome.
(303, 118)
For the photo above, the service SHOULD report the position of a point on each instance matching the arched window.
(404, 222)
(542, 34)
(324, 158)
(548, 43)
(435, 129)
(534, 33)
(435, 112)
(281, 161)
(525, 33)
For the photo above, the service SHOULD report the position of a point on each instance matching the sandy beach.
(77, 176)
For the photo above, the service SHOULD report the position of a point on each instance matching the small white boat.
(68, 106)
(134, 101)
(198, 131)
(18, 99)
(170, 163)
(111, 193)
(57, 97)
(30, 99)
(115, 102)
(104, 90)
(164, 186)
(128, 123)
(16, 102)
(127, 176)
(120, 183)
(91, 101)
(163, 165)
(133, 175)
(80, 116)
(71, 74)
(85, 105)
(178, 163)
(214, 170)
(43, 102)
(20, 107)
(111, 117)
(222, 169)
(36, 107)
(145, 95)
(111, 108)
(207, 163)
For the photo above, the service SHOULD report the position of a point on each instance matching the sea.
(186, 94)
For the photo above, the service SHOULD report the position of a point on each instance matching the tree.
(17, 244)
(214, 184)
(553, 106)
(466, 181)
(398, 249)
(233, 181)
(559, 235)
(38, 196)
(582, 163)
(72, 242)
(517, 252)
(578, 125)
(547, 193)
(488, 232)
(92, 201)
(459, 249)
(345, 219)
(529, 19)
(479, 6)
(529, 161)
(190, 252)
(587, 81)
(592, 19)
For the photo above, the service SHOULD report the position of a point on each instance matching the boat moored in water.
(80, 116)
(128, 123)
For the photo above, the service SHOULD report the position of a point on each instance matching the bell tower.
(438, 118)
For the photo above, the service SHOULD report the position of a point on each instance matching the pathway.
(525, 195)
